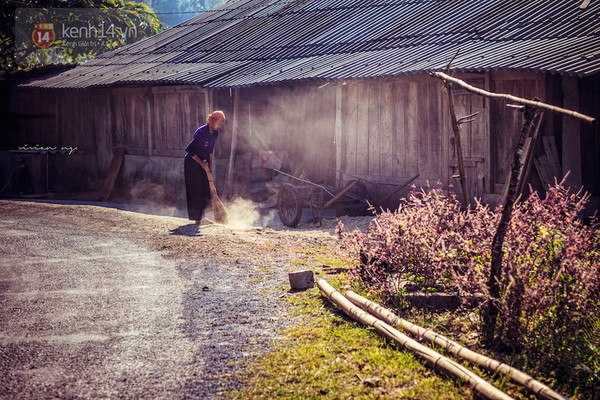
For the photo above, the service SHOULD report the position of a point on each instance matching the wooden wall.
(148, 122)
(156, 120)
(383, 130)
(294, 121)
(506, 122)
(393, 129)
(52, 119)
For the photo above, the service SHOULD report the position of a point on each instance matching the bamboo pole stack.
(438, 361)
(383, 321)
(537, 388)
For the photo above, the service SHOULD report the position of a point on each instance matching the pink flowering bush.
(550, 289)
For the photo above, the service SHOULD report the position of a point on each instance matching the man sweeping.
(199, 186)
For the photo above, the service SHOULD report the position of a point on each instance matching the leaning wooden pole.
(526, 158)
(536, 387)
(438, 361)
(457, 145)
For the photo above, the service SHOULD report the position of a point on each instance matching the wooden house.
(340, 89)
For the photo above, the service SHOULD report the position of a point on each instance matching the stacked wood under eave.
(547, 164)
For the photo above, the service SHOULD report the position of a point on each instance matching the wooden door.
(177, 113)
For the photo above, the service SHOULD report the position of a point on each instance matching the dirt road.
(102, 303)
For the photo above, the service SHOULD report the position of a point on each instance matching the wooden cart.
(296, 193)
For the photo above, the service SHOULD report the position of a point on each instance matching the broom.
(217, 205)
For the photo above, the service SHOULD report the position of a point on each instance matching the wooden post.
(113, 171)
(338, 133)
(571, 143)
(234, 137)
(527, 157)
(457, 146)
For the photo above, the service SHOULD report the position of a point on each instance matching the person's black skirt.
(197, 190)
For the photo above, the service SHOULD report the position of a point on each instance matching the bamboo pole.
(509, 97)
(537, 388)
(439, 362)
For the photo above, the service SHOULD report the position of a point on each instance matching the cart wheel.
(289, 205)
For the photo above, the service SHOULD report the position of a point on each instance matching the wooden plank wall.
(393, 129)
(146, 121)
(505, 123)
(30, 122)
(31, 119)
(102, 128)
(389, 129)
(177, 113)
(129, 120)
(298, 120)
(474, 137)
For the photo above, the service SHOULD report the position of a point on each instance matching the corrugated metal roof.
(248, 42)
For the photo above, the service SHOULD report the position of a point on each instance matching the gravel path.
(102, 303)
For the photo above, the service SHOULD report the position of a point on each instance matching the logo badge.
(43, 35)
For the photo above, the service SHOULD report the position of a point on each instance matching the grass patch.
(329, 356)
(299, 263)
(335, 262)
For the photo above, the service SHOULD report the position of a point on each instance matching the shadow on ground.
(186, 230)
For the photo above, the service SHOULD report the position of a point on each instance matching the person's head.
(216, 120)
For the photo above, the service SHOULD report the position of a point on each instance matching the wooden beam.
(113, 171)
(552, 154)
(341, 193)
(338, 132)
(402, 186)
(234, 139)
(527, 156)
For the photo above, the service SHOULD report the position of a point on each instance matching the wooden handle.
(219, 211)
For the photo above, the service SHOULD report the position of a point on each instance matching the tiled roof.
(248, 42)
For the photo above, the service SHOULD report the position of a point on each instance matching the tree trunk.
(490, 313)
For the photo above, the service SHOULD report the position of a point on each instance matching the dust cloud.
(295, 121)
(244, 214)
(151, 197)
